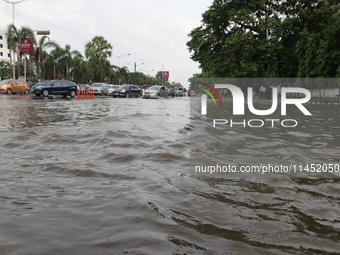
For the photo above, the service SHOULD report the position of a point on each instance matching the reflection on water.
(115, 176)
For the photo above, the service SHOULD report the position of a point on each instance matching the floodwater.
(117, 176)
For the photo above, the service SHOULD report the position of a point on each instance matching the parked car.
(39, 83)
(84, 86)
(127, 91)
(57, 87)
(112, 88)
(100, 88)
(156, 92)
(12, 86)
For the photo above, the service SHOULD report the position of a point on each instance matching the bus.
(178, 90)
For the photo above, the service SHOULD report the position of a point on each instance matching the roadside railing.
(85, 94)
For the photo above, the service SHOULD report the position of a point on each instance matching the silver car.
(112, 88)
(156, 92)
(100, 88)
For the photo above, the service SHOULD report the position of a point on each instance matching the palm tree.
(14, 37)
(82, 71)
(97, 51)
(98, 48)
(121, 74)
(67, 59)
(41, 53)
(100, 67)
(63, 60)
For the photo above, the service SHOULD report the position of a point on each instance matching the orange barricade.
(85, 94)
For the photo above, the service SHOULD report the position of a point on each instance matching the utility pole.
(135, 66)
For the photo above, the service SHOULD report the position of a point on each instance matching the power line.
(86, 40)
(56, 25)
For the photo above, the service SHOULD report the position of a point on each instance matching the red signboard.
(165, 74)
(26, 45)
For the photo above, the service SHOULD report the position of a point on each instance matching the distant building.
(4, 51)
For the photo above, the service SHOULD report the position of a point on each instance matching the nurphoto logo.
(238, 100)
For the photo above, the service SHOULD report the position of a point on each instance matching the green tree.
(82, 71)
(318, 48)
(140, 78)
(67, 59)
(249, 38)
(100, 68)
(62, 60)
(120, 75)
(238, 39)
(5, 71)
(98, 48)
(40, 54)
(97, 51)
(14, 37)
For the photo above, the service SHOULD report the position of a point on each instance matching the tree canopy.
(98, 48)
(268, 38)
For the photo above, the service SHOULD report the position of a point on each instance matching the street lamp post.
(119, 57)
(13, 3)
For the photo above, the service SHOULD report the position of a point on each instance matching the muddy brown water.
(116, 176)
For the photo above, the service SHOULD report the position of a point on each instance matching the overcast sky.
(154, 32)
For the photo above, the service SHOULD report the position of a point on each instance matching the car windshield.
(113, 86)
(124, 87)
(96, 85)
(5, 82)
(50, 82)
(41, 82)
(154, 88)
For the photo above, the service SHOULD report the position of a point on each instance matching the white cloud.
(154, 32)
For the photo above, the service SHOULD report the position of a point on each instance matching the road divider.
(85, 94)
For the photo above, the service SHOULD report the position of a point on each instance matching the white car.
(100, 88)
(156, 92)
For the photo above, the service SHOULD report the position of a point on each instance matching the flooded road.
(116, 176)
